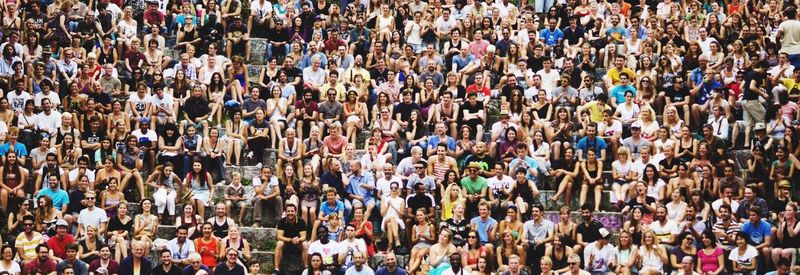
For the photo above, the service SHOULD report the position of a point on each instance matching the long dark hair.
(201, 176)
(15, 168)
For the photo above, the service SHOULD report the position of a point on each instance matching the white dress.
(392, 213)
(650, 260)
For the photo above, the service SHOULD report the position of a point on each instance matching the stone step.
(605, 202)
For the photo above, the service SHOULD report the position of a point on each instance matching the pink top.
(709, 262)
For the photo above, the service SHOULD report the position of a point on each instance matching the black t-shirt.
(292, 74)
(573, 36)
(677, 40)
(199, 107)
(379, 76)
(591, 232)
(508, 90)
(92, 137)
(102, 98)
(669, 164)
(678, 95)
(279, 35)
(471, 109)
(535, 63)
(749, 77)
(486, 162)
(633, 202)
(405, 109)
(291, 230)
(75, 201)
(173, 270)
(419, 201)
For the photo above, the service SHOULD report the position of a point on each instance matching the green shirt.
(474, 187)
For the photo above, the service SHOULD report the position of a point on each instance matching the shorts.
(753, 112)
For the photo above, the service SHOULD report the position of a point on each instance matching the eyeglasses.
(28, 224)
(91, 198)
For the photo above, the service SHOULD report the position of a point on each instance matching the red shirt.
(59, 246)
(46, 267)
(484, 90)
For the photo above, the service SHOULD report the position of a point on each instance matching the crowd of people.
(408, 137)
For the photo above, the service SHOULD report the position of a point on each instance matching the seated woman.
(213, 149)
(422, 237)
(507, 248)
(392, 209)
(235, 240)
(89, 248)
(111, 198)
(145, 224)
(168, 186)
(119, 226)
(201, 185)
(130, 163)
(191, 220)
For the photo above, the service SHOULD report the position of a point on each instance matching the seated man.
(238, 38)
(267, 195)
(360, 185)
(291, 236)
(72, 260)
(180, 247)
(42, 264)
(330, 206)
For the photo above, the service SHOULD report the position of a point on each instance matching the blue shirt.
(618, 92)
(19, 148)
(60, 197)
(527, 163)
(598, 144)
(327, 209)
(434, 141)
(756, 233)
(385, 271)
(484, 227)
(551, 38)
(460, 62)
(355, 181)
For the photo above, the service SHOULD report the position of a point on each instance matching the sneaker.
(259, 165)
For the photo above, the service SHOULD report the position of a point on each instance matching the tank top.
(129, 159)
(290, 147)
(559, 262)
(220, 230)
(11, 177)
(105, 58)
(788, 242)
(170, 140)
(440, 169)
(206, 257)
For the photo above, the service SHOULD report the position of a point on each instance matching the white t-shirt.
(165, 102)
(326, 250)
(664, 232)
(790, 42)
(717, 203)
(549, 80)
(17, 102)
(150, 136)
(272, 183)
(13, 269)
(49, 123)
(357, 245)
(605, 130)
(37, 100)
(92, 217)
(745, 260)
(73, 175)
(139, 103)
(384, 185)
(602, 256)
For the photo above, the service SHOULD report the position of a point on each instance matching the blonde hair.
(652, 116)
(626, 151)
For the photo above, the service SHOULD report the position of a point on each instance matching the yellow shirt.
(596, 111)
(613, 74)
